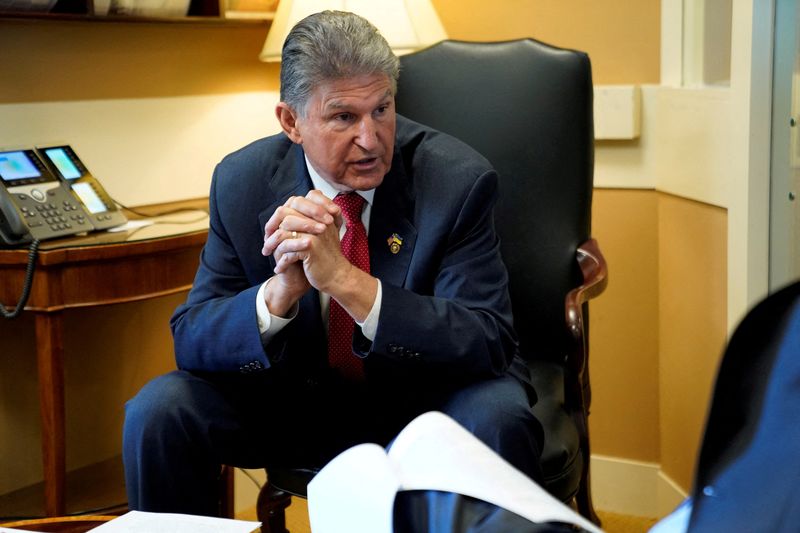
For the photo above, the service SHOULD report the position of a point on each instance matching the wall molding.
(633, 487)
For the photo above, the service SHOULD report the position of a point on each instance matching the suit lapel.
(390, 222)
(291, 179)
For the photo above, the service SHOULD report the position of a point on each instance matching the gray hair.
(328, 46)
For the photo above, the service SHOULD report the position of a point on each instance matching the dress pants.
(181, 427)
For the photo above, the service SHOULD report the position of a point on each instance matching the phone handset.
(13, 231)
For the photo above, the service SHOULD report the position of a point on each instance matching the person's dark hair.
(328, 46)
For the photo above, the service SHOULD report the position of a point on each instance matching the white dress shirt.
(269, 325)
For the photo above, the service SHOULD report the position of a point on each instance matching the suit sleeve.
(464, 326)
(217, 329)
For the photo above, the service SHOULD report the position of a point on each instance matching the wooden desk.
(64, 524)
(97, 269)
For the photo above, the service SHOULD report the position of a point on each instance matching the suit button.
(250, 367)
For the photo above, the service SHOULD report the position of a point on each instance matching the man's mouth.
(365, 162)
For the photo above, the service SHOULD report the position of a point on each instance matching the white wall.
(147, 150)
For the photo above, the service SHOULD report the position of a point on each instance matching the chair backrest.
(527, 107)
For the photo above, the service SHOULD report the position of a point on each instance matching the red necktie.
(340, 325)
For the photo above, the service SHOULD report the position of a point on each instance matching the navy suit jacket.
(748, 472)
(446, 312)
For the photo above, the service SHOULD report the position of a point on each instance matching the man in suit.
(748, 470)
(288, 351)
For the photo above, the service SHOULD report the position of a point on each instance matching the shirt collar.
(328, 190)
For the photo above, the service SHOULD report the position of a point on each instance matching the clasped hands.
(303, 237)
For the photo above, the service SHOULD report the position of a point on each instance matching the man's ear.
(288, 120)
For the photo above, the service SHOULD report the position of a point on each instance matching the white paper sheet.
(432, 453)
(141, 522)
(132, 225)
(355, 492)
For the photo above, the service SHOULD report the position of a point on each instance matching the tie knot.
(351, 204)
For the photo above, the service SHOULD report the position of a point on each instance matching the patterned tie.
(340, 324)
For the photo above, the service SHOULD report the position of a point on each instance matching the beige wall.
(621, 37)
(623, 327)
(57, 61)
(86, 61)
(659, 329)
(692, 252)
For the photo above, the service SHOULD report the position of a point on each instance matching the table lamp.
(406, 25)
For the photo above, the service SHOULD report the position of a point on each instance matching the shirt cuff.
(370, 325)
(268, 324)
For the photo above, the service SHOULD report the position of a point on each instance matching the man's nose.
(367, 134)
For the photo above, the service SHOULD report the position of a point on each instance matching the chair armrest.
(595, 278)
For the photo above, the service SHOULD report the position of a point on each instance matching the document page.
(435, 453)
(141, 522)
(356, 490)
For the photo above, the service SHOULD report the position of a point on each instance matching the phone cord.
(33, 251)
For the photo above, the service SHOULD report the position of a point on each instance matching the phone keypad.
(58, 218)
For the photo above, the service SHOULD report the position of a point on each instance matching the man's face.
(348, 131)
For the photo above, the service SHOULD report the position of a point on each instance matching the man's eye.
(344, 117)
(382, 109)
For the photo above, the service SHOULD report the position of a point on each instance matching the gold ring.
(294, 235)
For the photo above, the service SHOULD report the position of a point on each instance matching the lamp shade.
(405, 24)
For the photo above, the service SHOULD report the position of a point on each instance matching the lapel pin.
(394, 242)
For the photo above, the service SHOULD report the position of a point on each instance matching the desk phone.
(64, 163)
(34, 204)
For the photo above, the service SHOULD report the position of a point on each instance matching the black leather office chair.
(527, 107)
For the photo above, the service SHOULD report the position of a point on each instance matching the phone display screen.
(63, 163)
(89, 198)
(17, 166)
